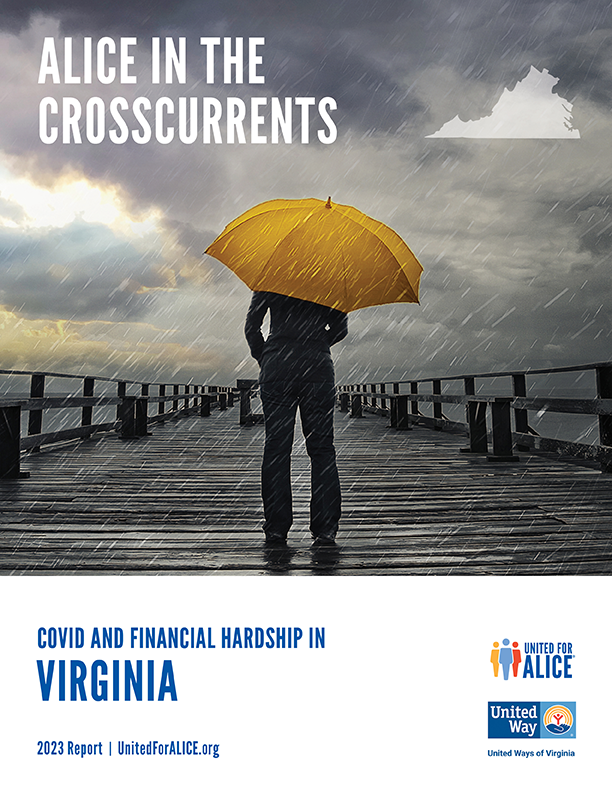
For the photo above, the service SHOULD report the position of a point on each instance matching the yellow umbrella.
(326, 253)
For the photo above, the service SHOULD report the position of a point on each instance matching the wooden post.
(245, 400)
(414, 404)
(141, 429)
(87, 412)
(373, 399)
(37, 391)
(142, 411)
(141, 417)
(161, 407)
(245, 387)
(383, 389)
(521, 418)
(205, 405)
(175, 403)
(344, 401)
(222, 401)
(10, 431)
(230, 397)
(187, 400)
(356, 406)
(604, 391)
(476, 416)
(403, 421)
(121, 389)
(502, 431)
(437, 406)
(127, 417)
(393, 416)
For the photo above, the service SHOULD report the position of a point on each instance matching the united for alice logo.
(537, 660)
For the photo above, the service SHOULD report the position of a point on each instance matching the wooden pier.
(185, 500)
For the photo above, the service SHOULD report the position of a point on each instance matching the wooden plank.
(187, 501)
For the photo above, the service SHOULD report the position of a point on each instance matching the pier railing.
(497, 414)
(501, 419)
(126, 404)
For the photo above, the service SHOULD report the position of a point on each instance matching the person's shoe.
(277, 540)
(323, 540)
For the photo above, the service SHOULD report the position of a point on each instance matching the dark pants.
(306, 380)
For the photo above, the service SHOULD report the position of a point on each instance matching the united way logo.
(506, 657)
(558, 720)
(531, 720)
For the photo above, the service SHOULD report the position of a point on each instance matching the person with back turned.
(297, 371)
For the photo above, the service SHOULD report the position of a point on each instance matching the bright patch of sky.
(35, 206)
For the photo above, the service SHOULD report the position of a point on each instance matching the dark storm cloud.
(79, 271)
(590, 216)
(366, 54)
(369, 96)
(442, 276)
(584, 71)
(81, 15)
(143, 14)
(77, 296)
(193, 243)
(363, 53)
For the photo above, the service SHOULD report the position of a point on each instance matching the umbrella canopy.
(326, 253)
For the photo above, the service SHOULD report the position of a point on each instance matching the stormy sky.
(101, 245)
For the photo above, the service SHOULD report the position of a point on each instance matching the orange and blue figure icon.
(495, 657)
(507, 657)
(516, 657)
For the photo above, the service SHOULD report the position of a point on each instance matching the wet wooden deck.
(186, 501)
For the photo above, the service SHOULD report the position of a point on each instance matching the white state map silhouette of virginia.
(530, 110)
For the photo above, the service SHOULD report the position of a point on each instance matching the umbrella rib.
(242, 222)
(383, 243)
(345, 279)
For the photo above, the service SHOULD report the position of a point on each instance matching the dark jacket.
(294, 324)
